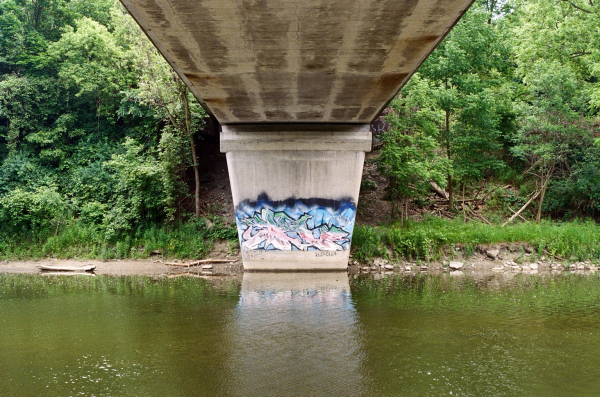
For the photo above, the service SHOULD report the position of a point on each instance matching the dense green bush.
(24, 212)
(80, 239)
(366, 243)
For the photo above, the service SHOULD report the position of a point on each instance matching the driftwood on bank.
(522, 209)
(477, 216)
(201, 262)
(60, 268)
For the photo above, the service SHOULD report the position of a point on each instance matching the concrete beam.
(296, 137)
(296, 61)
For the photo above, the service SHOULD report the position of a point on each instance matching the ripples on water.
(300, 334)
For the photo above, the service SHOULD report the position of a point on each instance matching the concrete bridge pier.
(295, 191)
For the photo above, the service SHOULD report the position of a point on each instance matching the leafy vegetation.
(509, 95)
(184, 240)
(96, 136)
(435, 238)
(99, 138)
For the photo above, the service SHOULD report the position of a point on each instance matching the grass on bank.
(435, 238)
(430, 239)
(190, 240)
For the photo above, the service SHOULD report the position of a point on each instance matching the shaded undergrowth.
(78, 240)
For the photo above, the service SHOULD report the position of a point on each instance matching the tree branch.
(579, 54)
(522, 208)
(579, 8)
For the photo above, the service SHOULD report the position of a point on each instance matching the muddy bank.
(483, 263)
(125, 267)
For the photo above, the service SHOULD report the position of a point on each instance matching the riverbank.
(431, 239)
(500, 258)
(429, 245)
(442, 240)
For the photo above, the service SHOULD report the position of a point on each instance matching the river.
(300, 334)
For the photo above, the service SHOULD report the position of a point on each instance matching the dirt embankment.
(503, 258)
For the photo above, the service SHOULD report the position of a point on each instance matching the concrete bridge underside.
(295, 85)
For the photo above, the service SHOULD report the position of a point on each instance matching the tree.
(564, 32)
(557, 52)
(90, 59)
(409, 157)
(160, 88)
(469, 72)
(551, 130)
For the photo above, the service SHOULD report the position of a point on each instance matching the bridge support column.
(295, 191)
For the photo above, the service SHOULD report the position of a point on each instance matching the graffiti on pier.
(295, 224)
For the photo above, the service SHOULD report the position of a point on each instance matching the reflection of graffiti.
(295, 224)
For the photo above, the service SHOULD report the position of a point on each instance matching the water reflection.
(296, 334)
(116, 336)
(300, 334)
(502, 334)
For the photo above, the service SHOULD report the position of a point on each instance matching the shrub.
(366, 243)
(23, 211)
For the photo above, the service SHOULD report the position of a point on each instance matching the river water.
(300, 335)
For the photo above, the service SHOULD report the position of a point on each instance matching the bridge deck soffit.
(296, 61)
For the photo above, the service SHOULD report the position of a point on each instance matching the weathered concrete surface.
(295, 207)
(296, 60)
(295, 137)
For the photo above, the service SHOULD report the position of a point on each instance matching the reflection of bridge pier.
(295, 85)
(295, 331)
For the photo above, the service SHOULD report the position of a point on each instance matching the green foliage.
(433, 237)
(84, 239)
(414, 242)
(96, 130)
(24, 212)
(173, 167)
(90, 59)
(219, 230)
(139, 200)
(367, 185)
(366, 243)
(409, 155)
(557, 38)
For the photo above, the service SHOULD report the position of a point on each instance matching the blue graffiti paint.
(295, 224)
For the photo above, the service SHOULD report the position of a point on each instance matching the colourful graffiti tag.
(295, 224)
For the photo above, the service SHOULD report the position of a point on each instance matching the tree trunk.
(521, 210)
(190, 133)
(450, 193)
(196, 175)
(450, 188)
(545, 181)
(538, 217)
(393, 208)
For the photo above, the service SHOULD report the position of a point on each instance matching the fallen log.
(88, 274)
(522, 209)
(520, 216)
(491, 191)
(59, 268)
(478, 216)
(200, 262)
(457, 200)
(439, 190)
